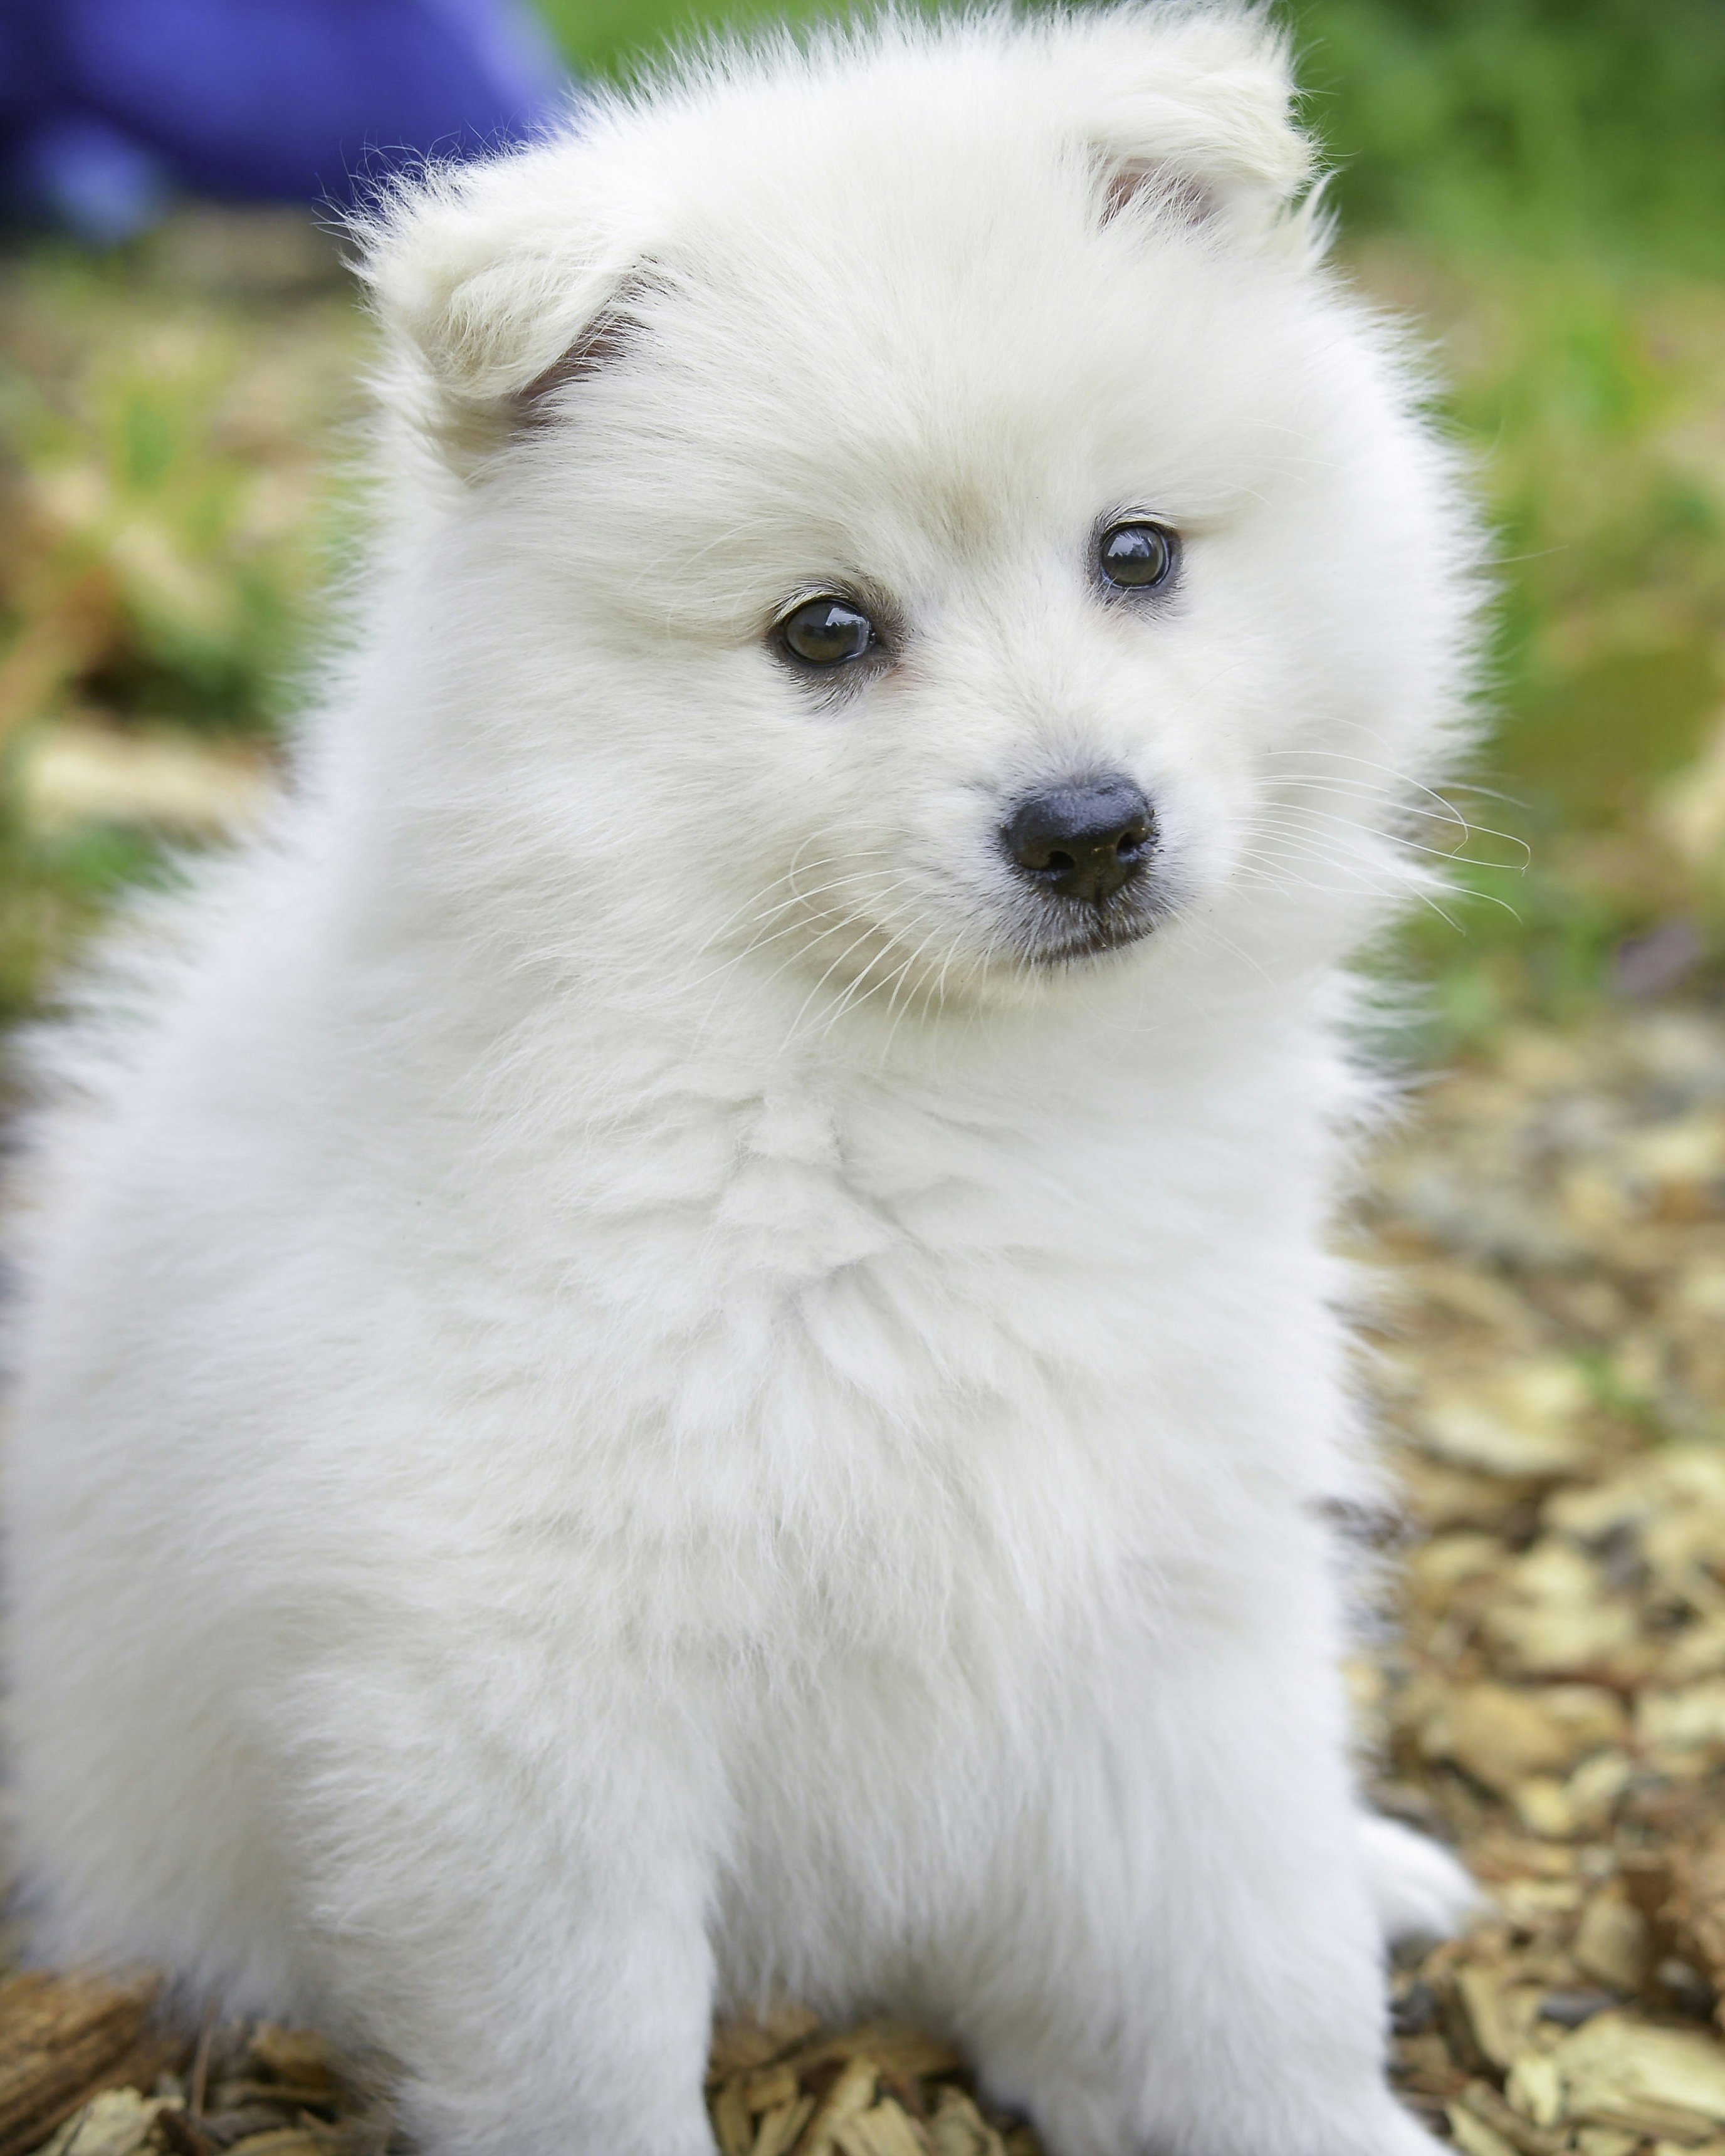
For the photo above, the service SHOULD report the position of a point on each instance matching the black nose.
(1085, 841)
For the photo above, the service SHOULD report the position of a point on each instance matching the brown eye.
(827, 632)
(1138, 556)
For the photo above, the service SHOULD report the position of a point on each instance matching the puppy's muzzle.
(1087, 842)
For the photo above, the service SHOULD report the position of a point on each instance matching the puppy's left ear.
(495, 284)
(1191, 112)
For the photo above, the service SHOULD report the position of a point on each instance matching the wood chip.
(65, 2038)
(299, 2057)
(1473, 2137)
(959, 2128)
(1503, 1733)
(1616, 2071)
(751, 2040)
(1683, 1729)
(778, 2129)
(733, 2127)
(1612, 1942)
(885, 2129)
(768, 2089)
(852, 2091)
(114, 2122)
(1500, 2011)
(909, 2053)
(1527, 2136)
(1696, 1909)
(286, 2141)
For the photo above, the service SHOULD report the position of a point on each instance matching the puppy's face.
(958, 539)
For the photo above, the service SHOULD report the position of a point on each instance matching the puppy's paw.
(1418, 1889)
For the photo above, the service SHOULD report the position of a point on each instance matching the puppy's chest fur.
(888, 1365)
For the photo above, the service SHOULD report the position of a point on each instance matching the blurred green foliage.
(1560, 166)
(1578, 127)
(1541, 182)
(1590, 400)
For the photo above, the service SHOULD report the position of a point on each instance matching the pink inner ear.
(603, 343)
(1147, 181)
(600, 345)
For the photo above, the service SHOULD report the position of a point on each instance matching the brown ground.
(1552, 1360)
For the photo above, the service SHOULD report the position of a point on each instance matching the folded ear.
(1193, 109)
(495, 284)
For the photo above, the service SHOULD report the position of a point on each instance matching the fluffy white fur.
(625, 1401)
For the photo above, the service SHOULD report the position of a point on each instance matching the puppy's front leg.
(1183, 1958)
(512, 1903)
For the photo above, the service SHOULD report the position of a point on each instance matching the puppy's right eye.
(827, 632)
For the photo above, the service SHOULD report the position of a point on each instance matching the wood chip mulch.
(1549, 1694)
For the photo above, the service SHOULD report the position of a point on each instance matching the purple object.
(105, 105)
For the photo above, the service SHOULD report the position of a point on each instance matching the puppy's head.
(938, 504)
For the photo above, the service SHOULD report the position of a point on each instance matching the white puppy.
(681, 1343)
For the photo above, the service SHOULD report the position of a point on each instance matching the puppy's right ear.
(495, 284)
(1189, 109)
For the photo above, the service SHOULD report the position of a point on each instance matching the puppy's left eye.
(827, 632)
(1137, 557)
